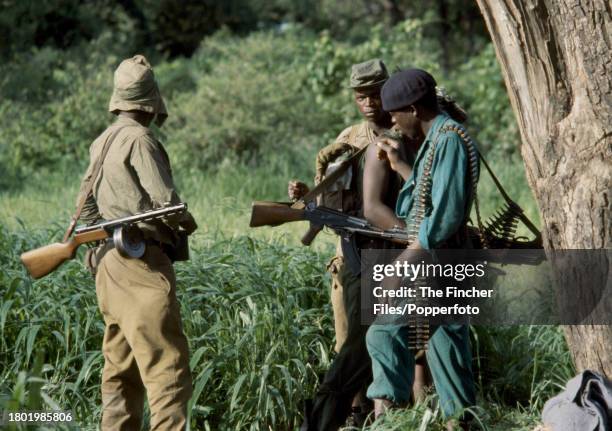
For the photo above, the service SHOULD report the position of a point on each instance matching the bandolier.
(435, 202)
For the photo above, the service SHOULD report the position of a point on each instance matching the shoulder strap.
(89, 186)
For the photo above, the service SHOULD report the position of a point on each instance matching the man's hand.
(389, 149)
(296, 190)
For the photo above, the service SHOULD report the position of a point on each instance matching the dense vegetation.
(259, 92)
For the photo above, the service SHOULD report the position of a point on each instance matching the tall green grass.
(255, 313)
(255, 309)
(221, 200)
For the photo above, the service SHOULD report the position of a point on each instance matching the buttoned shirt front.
(450, 187)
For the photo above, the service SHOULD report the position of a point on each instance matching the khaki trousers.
(335, 268)
(144, 346)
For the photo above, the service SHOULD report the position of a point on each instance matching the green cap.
(371, 73)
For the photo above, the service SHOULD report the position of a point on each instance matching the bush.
(56, 103)
(248, 103)
(236, 100)
(479, 86)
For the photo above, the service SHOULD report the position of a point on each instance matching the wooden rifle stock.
(264, 213)
(43, 260)
(46, 259)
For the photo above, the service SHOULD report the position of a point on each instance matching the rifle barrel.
(147, 215)
(341, 221)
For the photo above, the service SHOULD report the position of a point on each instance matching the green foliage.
(55, 104)
(329, 66)
(522, 366)
(265, 302)
(235, 100)
(56, 355)
(268, 302)
(176, 28)
(478, 85)
(248, 103)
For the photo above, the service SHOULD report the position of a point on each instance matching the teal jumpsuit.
(448, 355)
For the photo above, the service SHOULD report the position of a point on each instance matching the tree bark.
(556, 61)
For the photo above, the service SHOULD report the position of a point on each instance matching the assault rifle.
(48, 258)
(264, 213)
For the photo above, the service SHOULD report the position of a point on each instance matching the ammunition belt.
(420, 329)
(419, 333)
(497, 232)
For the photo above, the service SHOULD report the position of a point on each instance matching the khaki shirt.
(135, 177)
(358, 135)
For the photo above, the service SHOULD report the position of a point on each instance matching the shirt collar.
(436, 125)
(438, 122)
(373, 127)
(127, 121)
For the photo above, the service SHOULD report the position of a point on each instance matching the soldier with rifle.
(435, 218)
(366, 80)
(342, 392)
(377, 186)
(144, 346)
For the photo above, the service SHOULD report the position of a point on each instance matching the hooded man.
(144, 346)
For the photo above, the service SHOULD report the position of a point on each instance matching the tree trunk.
(556, 61)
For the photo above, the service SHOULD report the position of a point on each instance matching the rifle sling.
(521, 215)
(328, 181)
(89, 185)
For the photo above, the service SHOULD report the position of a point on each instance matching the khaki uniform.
(144, 346)
(358, 136)
(350, 373)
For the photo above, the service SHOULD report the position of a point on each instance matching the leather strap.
(472, 149)
(89, 186)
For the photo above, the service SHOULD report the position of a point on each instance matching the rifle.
(264, 213)
(48, 258)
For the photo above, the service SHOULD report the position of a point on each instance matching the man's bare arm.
(376, 177)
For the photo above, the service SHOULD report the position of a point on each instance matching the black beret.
(405, 88)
